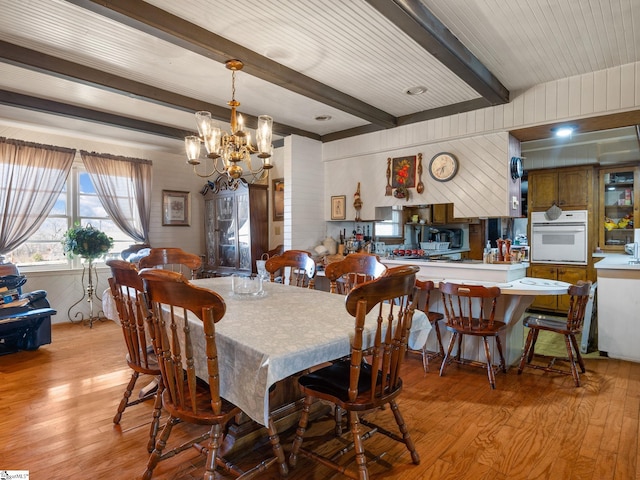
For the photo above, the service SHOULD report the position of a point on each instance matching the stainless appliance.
(560, 240)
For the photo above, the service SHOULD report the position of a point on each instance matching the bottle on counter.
(486, 256)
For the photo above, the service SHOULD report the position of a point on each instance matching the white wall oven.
(560, 240)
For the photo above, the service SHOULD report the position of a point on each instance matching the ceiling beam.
(422, 116)
(413, 18)
(37, 61)
(57, 108)
(161, 24)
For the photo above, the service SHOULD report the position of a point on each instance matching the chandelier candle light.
(228, 150)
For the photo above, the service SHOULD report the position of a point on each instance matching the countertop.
(617, 262)
(473, 270)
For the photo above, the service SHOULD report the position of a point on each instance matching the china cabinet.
(619, 203)
(236, 226)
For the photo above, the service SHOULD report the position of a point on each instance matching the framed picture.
(403, 172)
(277, 188)
(176, 208)
(338, 207)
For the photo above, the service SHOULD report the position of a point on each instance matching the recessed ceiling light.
(418, 90)
(564, 131)
(323, 118)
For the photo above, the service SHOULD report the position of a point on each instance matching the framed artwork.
(176, 208)
(278, 199)
(338, 207)
(403, 172)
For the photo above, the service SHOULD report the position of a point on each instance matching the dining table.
(263, 339)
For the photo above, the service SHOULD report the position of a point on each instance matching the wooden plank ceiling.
(147, 66)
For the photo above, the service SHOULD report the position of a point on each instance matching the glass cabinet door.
(225, 231)
(244, 232)
(617, 207)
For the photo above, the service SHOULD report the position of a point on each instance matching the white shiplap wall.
(603, 92)
(481, 188)
(304, 187)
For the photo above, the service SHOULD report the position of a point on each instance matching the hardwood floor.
(58, 403)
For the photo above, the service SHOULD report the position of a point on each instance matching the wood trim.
(413, 18)
(154, 21)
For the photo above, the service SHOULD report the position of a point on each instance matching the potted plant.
(87, 242)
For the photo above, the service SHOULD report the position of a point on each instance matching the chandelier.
(228, 150)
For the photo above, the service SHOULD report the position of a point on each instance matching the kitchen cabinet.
(236, 226)
(562, 273)
(442, 213)
(618, 206)
(569, 188)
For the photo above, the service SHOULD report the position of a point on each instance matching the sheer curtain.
(32, 177)
(124, 188)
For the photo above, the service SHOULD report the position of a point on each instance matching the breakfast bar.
(518, 292)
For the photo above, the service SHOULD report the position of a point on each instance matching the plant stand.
(89, 293)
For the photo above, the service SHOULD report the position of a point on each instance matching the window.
(77, 203)
(391, 223)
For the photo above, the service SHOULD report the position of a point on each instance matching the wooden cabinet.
(568, 188)
(442, 213)
(618, 207)
(236, 226)
(556, 303)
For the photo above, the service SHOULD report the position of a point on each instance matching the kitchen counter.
(437, 253)
(619, 307)
(465, 269)
(618, 261)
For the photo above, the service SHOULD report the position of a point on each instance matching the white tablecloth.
(263, 340)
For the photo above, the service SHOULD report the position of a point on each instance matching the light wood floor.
(57, 407)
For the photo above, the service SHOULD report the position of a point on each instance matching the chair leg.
(405, 432)
(487, 354)
(459, 352)
(525, 353)
(534, 339)
(425, 358)
(576, 349)
(572, 361)
(156, 455)
(361, 459)
(439, 337)
(274, 439)
(302, 427)
(125, 399)
(445, 360)
(157, 412)
(503, 364)
(212, 452)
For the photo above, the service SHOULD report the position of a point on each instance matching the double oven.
(559, 240)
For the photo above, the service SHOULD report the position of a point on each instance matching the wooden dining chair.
(187, 398)
(569, 328)
(470, 310)
(358, 386)
(354, 269)
(423, 299)
(126, 289)
(300, 267)
(174, 259)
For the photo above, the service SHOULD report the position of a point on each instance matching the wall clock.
(443, 166)
(516, 168)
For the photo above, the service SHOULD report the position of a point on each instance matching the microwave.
(562, 239)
